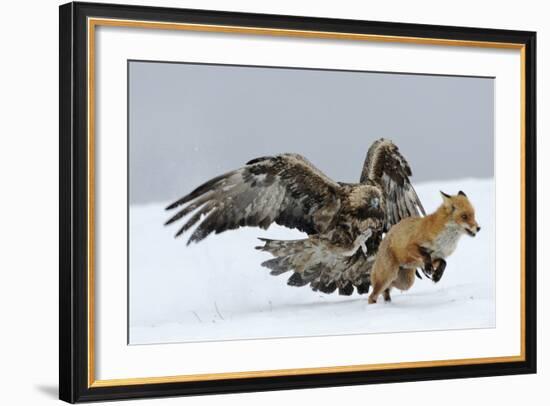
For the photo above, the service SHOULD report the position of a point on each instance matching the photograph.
(276, 202)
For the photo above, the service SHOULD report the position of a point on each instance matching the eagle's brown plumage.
(344, 222)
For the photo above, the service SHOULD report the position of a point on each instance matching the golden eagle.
(345, 222)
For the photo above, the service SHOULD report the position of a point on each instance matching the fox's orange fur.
(416, 241)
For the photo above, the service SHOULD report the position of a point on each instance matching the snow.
(217, 290)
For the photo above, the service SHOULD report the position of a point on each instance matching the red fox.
(421, 241)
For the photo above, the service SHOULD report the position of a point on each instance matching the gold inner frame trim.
(94, 22)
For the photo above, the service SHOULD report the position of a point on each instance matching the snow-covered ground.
(217, 290)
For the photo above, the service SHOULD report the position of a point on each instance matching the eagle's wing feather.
(285, 189)
(385, 166)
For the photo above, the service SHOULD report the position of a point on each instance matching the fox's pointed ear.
(447, 202)
(461, 193)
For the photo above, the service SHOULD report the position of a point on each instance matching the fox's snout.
(469, 224)
(472, 231)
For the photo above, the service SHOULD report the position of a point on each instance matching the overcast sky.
(189, 123)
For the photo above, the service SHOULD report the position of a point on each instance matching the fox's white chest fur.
(446, 242)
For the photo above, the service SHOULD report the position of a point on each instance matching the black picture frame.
(74, 199)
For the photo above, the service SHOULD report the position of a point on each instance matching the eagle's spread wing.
(285, 189)
(386, 167)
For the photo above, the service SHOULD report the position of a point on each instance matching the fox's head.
(461, 211)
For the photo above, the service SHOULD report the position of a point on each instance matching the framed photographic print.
(255, 202)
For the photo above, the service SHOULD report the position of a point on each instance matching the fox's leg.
(387, 296)
(384, 272)
(405, 278)
(426, 255)
(440, 264)
(379, 287)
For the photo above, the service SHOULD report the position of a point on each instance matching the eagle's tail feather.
(312, 263)
(278, 265)
(293, 255)
(284, 247)
(296, 280)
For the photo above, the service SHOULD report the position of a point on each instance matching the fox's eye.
(464, 217)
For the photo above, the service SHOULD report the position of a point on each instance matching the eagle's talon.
(360, 242)
(363, 238)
